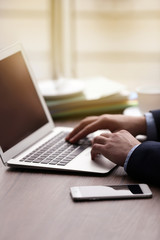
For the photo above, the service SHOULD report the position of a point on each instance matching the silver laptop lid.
(24, 117)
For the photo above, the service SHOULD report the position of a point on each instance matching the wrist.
(140, 126)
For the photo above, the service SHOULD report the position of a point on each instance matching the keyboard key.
(54, 162)
(38, 160)
(46, 161)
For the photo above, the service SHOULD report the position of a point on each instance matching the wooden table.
(36, 205)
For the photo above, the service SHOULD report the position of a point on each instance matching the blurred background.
(118, 39)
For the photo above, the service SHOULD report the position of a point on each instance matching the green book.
(98, 109)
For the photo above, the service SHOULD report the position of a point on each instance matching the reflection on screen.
(20, 107)
(119, 190)
(133, 188)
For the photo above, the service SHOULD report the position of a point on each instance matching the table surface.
(36, 205)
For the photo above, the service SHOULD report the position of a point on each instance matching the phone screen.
(114, 191)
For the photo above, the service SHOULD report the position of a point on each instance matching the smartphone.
(81, 193)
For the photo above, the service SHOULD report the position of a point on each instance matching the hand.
(114, 146)
(117, 122)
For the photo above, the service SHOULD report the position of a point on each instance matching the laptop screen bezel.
(45, 129)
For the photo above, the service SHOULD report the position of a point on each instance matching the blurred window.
(119, 39)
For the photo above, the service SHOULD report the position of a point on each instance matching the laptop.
(28, 137)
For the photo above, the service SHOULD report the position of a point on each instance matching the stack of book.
(100, 95)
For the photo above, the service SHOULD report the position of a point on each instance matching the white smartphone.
(81, 193)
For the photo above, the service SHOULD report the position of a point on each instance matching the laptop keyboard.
(56, 151)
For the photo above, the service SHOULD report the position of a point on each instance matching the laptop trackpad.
(85, 163)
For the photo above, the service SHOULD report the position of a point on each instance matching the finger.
(96, 149)
(99, 140)
(81, 126)
(106, 134)
(84, 132)
(74, 132)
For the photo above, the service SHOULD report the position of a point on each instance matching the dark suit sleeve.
(144, 162)
(156, 116)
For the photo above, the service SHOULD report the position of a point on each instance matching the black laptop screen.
(21, 112)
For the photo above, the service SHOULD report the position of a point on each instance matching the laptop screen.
(21, 112)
